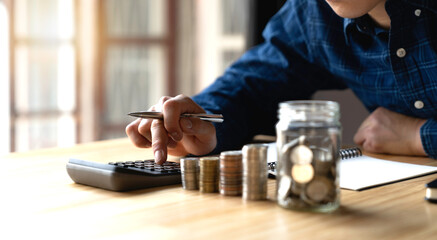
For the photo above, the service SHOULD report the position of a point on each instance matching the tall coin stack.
(190, 173)
(231, 173)
(209, 173)
(255, 171)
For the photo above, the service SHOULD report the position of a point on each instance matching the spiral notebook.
(359, 172)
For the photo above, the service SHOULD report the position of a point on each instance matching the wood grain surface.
(39, 201)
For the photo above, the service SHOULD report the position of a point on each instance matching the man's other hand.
(385, 131)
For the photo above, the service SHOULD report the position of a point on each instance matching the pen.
(217, 118)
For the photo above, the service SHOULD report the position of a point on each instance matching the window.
(223, 36)
(43, 74)
(136, 59)
(77, 67)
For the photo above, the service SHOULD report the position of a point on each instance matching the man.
(384, 50)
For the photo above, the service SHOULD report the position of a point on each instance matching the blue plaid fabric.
(308, 47)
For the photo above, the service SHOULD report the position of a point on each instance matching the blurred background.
(70, 70)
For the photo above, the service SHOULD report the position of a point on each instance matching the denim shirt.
(308, 47)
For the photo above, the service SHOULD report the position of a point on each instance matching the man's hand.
(181, 135)
(385, 131)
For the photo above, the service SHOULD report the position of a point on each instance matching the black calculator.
(124, 176)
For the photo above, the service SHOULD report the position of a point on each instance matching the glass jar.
(308, 143)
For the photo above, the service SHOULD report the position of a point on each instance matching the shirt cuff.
(428, 135)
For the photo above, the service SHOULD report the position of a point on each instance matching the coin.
(189, 173)
(301, 154)
(318, 189)
(255, 171)
(208, 176)
(231, 173)
(302, 173)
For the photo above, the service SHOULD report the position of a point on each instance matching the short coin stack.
(190, 173)
(255, 171)
(231, 173)
(209, 172)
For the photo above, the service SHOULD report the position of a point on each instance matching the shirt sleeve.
(428, 134)
(280, 69)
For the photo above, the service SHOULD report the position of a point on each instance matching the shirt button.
(401, 52)
(417, 12)
(419, 104)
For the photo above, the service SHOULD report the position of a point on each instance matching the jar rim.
(309, 102)
(309, 110)
(322, 104)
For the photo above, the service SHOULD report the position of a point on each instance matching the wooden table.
(39, 201)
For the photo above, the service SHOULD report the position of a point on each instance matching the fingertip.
(131, 127)
(160, 157)
(186, 125)
(192, 126)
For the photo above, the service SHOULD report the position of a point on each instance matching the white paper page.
(363, 172)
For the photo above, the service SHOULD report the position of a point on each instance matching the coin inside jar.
(318, 189)
(301, 154)
(302, 173)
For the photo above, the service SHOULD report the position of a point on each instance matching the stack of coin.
(190, 173)
(231, 173)
(209, 174)
(255, 171)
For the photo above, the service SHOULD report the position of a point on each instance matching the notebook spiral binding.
(350, 153)
(344, 154)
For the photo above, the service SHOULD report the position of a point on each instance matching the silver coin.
(301, 154)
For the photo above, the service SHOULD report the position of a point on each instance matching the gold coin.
(302, 173)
